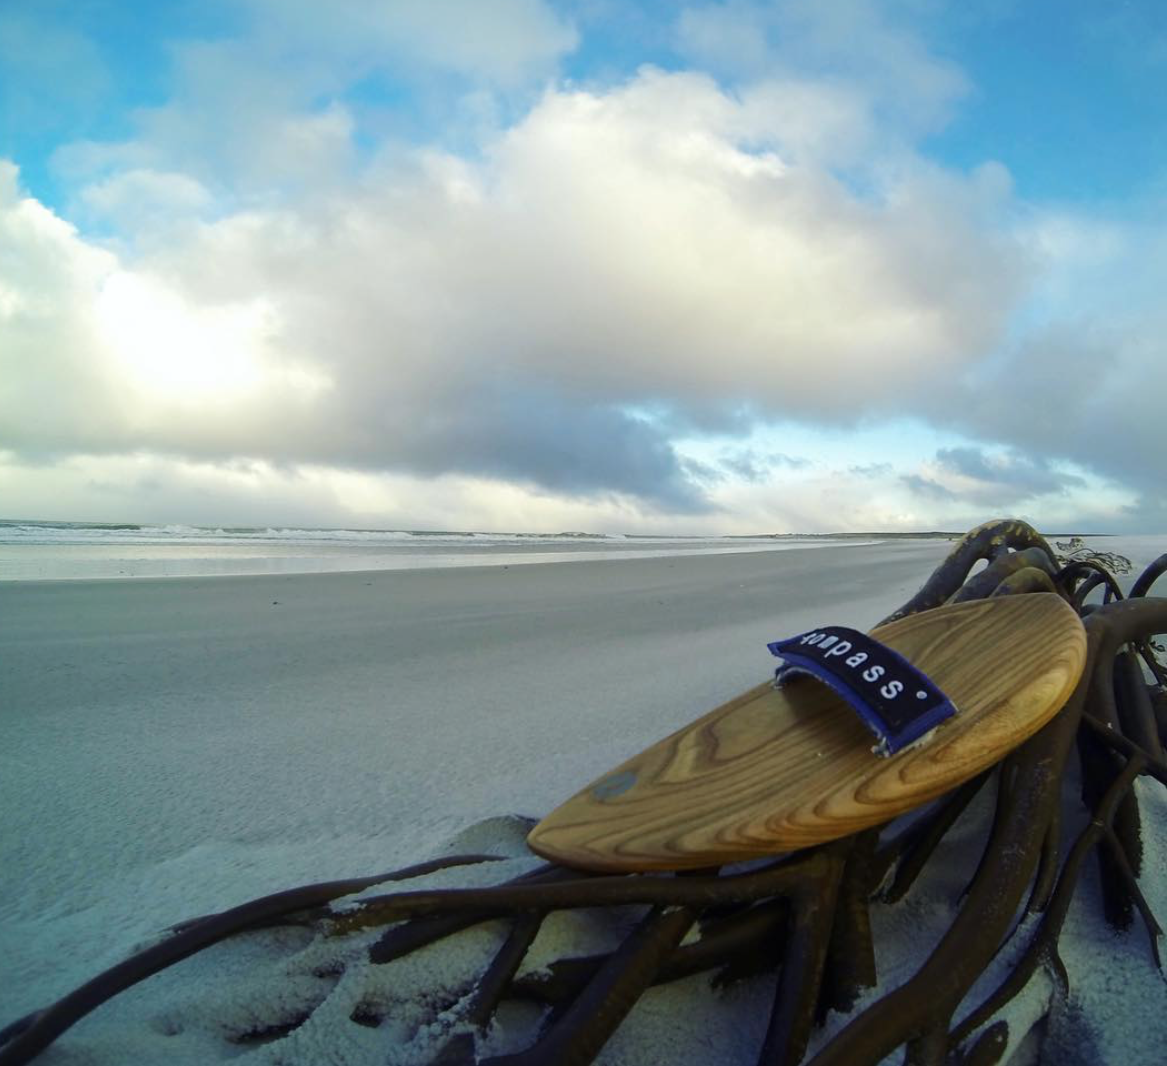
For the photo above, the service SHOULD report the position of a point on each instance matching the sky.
(736, 267)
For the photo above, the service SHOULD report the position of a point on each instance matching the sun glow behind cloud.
(171, 352)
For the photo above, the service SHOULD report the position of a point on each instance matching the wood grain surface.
(776, 770)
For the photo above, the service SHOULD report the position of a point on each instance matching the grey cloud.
(701, 474)
(794, 462)
(850, 41)
(968, 461)
(1147, 512)
(554, 442)
(1014, 474)
(923, 486)
(751, 465)
(871, 470)
(1092, 395)
(998, 483)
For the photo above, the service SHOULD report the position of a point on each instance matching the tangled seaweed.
(1075, 550)
(805, 914)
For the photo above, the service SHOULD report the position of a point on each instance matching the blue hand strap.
(895, 700)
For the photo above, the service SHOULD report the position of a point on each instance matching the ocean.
(45, 550)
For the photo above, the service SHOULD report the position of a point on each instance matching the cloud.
(241, 129)
(648, 245)
(1021, 476)
(871, 470)
(996, 481)
(853, 43)
(1085, 382)
(159, 489)
(140, 200)
(503, 42)
(751, 465)
(270, 111)
(567, 279)
(55, 391)
(924, 486)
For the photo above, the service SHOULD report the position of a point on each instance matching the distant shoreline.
(933, 534)
(285, 528)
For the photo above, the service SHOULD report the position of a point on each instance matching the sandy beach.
(196, 742)
(174, 747)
